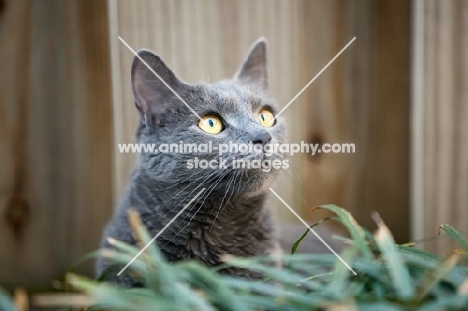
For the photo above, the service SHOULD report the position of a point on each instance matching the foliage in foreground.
(5, 301)
(389, 277)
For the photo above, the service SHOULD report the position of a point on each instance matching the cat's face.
(234, 113)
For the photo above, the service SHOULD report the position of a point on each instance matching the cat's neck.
(169, 198)
(213, 224)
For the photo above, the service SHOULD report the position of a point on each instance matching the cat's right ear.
(254, 69)
(152, 96)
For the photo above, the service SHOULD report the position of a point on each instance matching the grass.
(5, 301)
(389, 277)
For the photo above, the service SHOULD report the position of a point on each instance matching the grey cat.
(230, 216)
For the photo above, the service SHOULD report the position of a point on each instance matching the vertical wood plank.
(417, 120)
(363, 98)
(445, 115)
(55, 93)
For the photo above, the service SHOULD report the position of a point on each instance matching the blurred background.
(399, 93)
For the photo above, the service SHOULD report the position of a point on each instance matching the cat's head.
(233, 112)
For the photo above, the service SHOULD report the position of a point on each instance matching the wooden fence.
(398, 93)
(362, 98)
(439, 118)
(55, 141)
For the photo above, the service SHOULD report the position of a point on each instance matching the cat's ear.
(254, 69)
(152, 96)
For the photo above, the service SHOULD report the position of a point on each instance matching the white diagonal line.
(313, 79)
(170, 88)
(160, 232)
(313, 231)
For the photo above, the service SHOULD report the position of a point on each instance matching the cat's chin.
(256, 192)
(259, 181)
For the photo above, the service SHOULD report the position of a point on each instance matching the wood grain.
(445, 120)
(55, 168)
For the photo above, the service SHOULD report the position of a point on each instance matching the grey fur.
(230, 216)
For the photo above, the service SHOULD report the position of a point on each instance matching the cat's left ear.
(152, 94)
(254, 69)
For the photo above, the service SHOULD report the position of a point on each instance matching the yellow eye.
(266, 118)
(210, 124)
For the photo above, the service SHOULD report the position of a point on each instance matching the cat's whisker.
(210, 189)
(206, 175)
(224, 197)
(236, 175)
(187, 213)
(211, 175)
(295, 178)
(208, 193)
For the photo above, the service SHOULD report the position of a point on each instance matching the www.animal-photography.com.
(233, 155)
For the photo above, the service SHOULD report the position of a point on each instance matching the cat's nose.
(262, 138)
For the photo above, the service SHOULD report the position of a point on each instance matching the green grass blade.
(456, 303)
(211, 284)
(418, 253)
(5, 301)
(339, 279)
(454, 234)
(356, 232)
(296, 244)
(431, 278)
(399, 273)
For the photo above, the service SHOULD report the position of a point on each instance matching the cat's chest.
(204, 242)
(204, 235)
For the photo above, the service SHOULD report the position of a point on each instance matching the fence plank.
(444, 126)
(55, 168)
